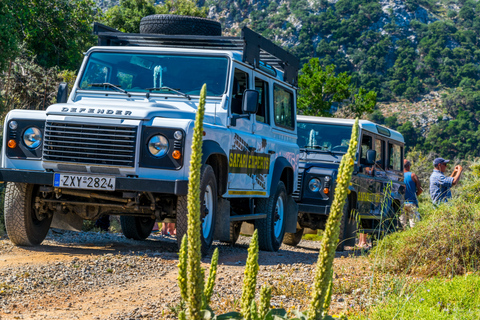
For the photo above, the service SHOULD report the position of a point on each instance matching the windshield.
(136, 72)
(324, 137)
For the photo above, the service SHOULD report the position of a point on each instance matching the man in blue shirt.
(413, 190)
(440, 184)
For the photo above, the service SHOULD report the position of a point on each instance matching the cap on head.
(437, 161)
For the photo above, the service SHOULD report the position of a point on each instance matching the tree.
(319, 88)
(55, 32)
(126, 17)
(8, 35)
(182, 8)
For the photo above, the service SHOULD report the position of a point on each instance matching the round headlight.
(158, 146)
(315, 185)
(32, 137)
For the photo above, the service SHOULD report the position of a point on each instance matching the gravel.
(93, 275)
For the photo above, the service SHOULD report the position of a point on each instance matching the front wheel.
(348, 228)
(208, 210)
(26, 225)
(271, 230)
(136, 228)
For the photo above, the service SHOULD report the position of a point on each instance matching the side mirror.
(62, 94)
(250, 101)
(371, 155)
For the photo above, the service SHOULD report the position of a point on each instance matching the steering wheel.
(340, 148)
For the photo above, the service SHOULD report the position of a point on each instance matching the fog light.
(13, 125)
(12, 144)
(176, 155)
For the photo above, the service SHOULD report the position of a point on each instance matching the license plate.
(83, 182)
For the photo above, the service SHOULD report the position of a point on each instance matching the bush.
(446, 242)
(458, 298)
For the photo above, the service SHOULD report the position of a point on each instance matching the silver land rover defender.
(120, 142)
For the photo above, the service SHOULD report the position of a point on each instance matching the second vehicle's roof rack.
(255, 48)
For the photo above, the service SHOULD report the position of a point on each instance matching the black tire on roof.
(179, 25)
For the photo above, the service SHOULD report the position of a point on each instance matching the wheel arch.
(213, 155)
(283, 171)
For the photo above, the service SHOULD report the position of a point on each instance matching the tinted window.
(262, 88)
(283, 108)
(240, 84)
(394, 157)
(380, 149)
(367, 143)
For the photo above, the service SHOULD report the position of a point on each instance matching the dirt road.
(105, 276)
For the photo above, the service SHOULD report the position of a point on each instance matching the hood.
(134, 109)
(309, 156)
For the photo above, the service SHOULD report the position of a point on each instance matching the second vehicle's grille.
(88, 143)
(296, 194)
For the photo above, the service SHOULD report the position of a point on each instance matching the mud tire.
(348, 228)
(179, 25)
(136, 228)
(292, 239)
(207, 182)
(268, 240)
(24, 227)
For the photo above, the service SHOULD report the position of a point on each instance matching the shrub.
(446, 242)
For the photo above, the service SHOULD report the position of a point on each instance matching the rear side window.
(283, 108)
(394, 157)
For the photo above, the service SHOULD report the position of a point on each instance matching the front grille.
(88, 143)
(296, 194)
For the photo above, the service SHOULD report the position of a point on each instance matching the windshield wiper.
(170, 89)
(313, 148)
(107, 84)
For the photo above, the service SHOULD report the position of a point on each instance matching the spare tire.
(180, 25)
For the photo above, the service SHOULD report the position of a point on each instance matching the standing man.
(440, 184)
(413, 190)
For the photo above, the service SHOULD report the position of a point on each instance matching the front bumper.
(313, 208)
(177, 187)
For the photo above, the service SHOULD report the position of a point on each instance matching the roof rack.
(255, 48)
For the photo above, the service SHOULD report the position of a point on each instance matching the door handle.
(271, 152)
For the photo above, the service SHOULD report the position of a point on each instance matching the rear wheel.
(235, 228)
(136, 228)
(292, 239)
(348, 228)
(271, 230)
(208, 210)
(26, 225)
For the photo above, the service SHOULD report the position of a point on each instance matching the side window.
(380, 149)
(394, 157)
(262, 88)
(367, 142)
(240, 84)
(283, 108)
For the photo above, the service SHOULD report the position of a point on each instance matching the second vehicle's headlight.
(32, 137)
(315, 185)
(158, 146)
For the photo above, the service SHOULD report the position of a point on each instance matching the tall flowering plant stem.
(323, 273)
(195, 274)
(212, 274)
(250, 278)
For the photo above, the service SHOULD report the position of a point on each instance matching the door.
(243, 141)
